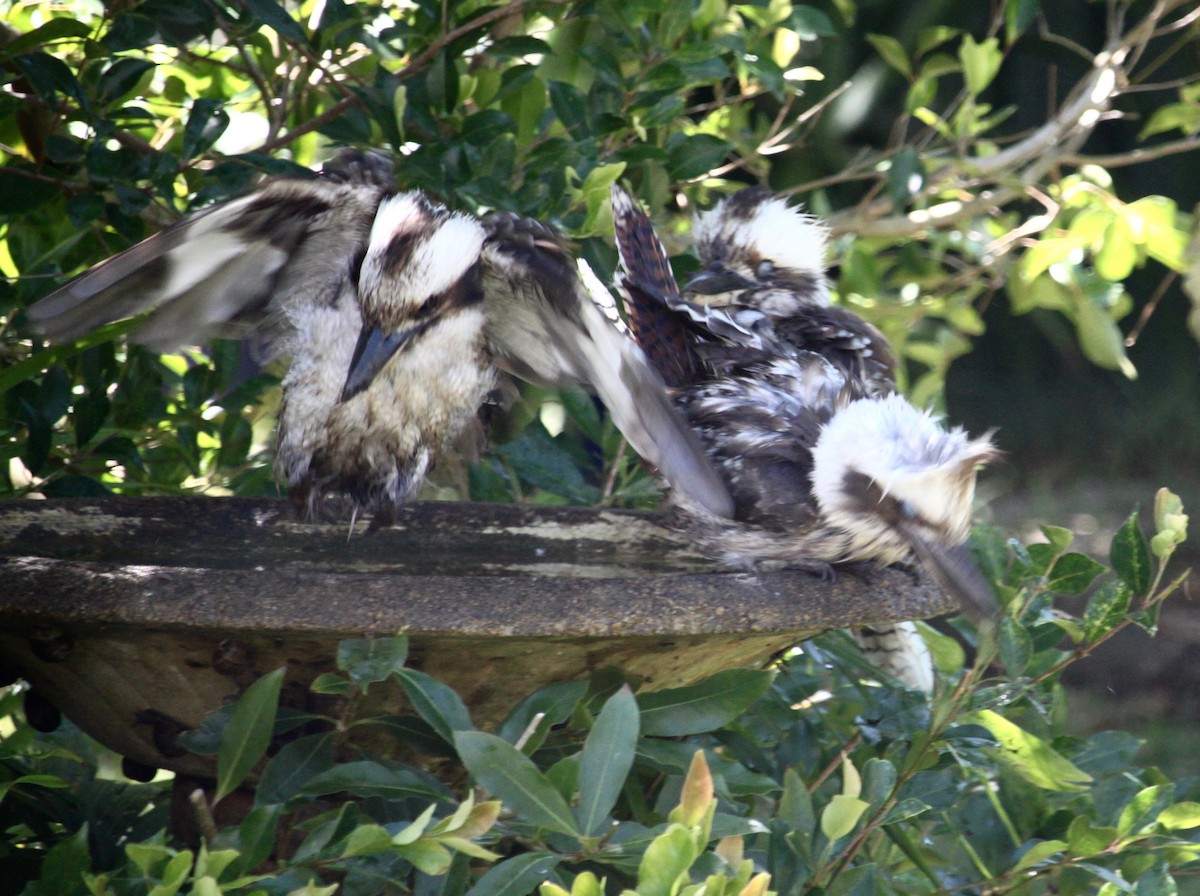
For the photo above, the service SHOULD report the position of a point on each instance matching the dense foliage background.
(974, 164)
(1010, 190)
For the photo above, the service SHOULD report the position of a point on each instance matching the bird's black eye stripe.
(869, 496)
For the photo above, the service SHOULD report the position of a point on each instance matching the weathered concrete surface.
(136, 617)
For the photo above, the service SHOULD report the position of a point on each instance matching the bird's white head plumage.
(888, 473)
(417, 250)
(754, 236)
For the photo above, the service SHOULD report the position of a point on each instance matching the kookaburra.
(825, 462)
(758, 252)
(395, 314)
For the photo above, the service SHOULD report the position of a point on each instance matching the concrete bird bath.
(135, 617)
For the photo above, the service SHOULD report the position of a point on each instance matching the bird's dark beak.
(956, 571)
(716, 279)
(374, 349)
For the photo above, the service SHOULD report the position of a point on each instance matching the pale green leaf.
(841, 815)
(981, 62)
(892, 52)
(1038, 853)
(666, 860)
(1030, 757)
(1180, 817)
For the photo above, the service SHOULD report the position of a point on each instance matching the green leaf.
(367, 778)
(1184, 116)
(840, 815)
(694, 156)
(1016, 647)
(981, 62)
(57, 29)
(1060, 539)
(1030, 757)
(246, 737)
(1180, 817)
(879, 779)
(509, 775)
(892, 52)
(293, 766)
(367, 838)
(542, 462)
(1143, 810)
(1118, 253)
(1101, 339)
(368, 660)
(607, 756)
(1106, 608)
(907, 808)
(428, 856)
(1156, 881)
(1130, 556)
(120, 78)
(516, 876)
(1038, 853)
(555, 702)
(709, 704)
(666, 861)
(276, 17)
(1154, 218)
(1085, 839)
(1073, 573)
(436, 703)
(795, 806)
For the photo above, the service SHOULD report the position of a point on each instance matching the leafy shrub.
(813, 775)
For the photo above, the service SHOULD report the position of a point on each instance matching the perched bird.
(826, 464)
(394, 312)
(758, 252)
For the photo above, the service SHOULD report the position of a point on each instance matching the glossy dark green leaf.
(256, 837)
(510, 776)
(704, 706)
(517, 876)
(275, 16)
(436, 703)
(1130, 555)
(1106, 608)
(120, 78)
(293, 766)
(48, 75)
(554, 702)
(367, 778)
(368, 660)
(206, 122)
(1016, 647)
(569, 104)
(61, 28)
(694, 156)
(607, 757)
(906, 176)
(541, 462)
(1073, 573)
(248, 733)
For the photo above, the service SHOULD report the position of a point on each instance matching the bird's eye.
(906, 510)
(764, 270)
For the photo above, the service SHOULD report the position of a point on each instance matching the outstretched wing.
(544, 327)
(234, 268)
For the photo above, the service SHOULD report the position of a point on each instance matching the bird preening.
(770, 412)
(395, 313)
(794, 400)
